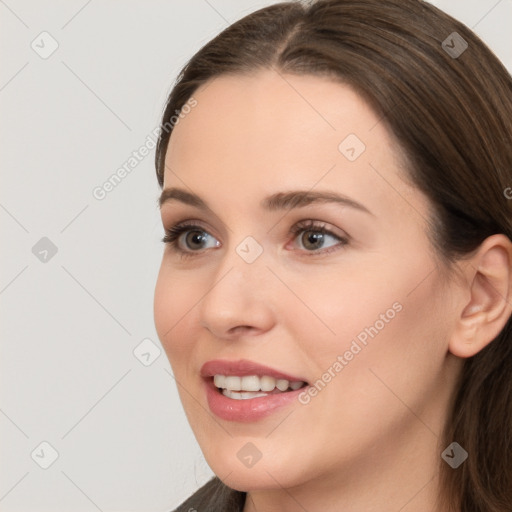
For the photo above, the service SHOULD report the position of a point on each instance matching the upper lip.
(242, 367)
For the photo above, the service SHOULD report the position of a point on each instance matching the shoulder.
(214, 496)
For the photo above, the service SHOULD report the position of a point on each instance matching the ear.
(489, 274)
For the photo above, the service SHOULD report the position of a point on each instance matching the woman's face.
(357, 312)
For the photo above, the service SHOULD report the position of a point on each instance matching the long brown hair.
(452, 117)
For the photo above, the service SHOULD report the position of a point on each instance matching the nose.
(239, 300)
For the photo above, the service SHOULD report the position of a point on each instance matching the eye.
(195, 239)
(315, 236)
(193, 236)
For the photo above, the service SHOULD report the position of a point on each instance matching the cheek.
(391, 349)
(175, 296)
(332, 306)
(402, 362)
(388, 318)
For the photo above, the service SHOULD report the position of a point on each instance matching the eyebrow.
(275, 202)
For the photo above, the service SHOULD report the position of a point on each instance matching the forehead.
(265, 131)
(280, 112)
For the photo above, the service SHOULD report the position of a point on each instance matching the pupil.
(197, 237)
(313, 238)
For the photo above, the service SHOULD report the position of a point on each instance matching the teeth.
(233, 383)
(249, 383)
(267, 383)
(282, 384)
(253, 383)
(241, 396)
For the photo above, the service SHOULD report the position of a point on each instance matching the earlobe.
(483, 317)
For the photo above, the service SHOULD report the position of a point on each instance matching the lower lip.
(246, 410)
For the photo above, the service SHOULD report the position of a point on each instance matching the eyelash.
(172, 235)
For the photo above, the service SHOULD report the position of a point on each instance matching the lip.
(252, 409)
(246, 411)
(243, 367)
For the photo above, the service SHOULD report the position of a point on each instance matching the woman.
(335, 292)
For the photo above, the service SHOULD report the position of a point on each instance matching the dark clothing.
(214, 496)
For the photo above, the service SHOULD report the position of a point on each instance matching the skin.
(370, 440)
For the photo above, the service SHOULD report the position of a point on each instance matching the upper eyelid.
(303, 224)
(295, 228)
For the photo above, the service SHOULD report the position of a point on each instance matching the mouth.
(247, 391)
(248, 387)
(248, 406)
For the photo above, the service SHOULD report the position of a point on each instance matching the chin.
(272, 474)
(254, 480)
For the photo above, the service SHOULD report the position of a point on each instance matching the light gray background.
(69, 326)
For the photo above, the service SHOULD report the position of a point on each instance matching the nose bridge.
(238, 294)
(243, 265)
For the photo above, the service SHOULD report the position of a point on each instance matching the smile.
(253, 386)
